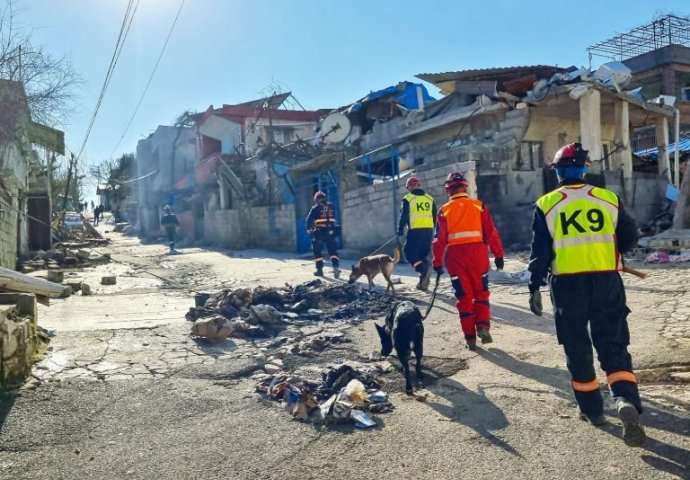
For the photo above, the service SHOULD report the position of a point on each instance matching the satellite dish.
(335, 128)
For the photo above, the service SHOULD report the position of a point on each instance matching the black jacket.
(321, 211)
(542, 242)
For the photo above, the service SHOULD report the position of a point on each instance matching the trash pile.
(343, 394)
(265, 312)
(65, 255)
(662, 256)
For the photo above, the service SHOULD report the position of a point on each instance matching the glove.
(499, 263)
(438, 270)
(535, 302)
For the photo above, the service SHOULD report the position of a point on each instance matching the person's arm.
(626, 230)
(542, 251)
(439, 245)
(491, 234)
(404, 216)
(311, 218)
(434, 213)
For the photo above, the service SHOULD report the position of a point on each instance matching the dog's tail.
(396, 255)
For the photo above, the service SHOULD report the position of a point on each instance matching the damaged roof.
(499, 73)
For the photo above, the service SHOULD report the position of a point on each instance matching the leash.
(433, 297)
(394, 237)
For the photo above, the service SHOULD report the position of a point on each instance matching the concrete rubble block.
(70, 261)
(75, 283)
(83, 255)
(56, 276)
(109, 280)
(85, 289)
(66, 292)
(271, 368)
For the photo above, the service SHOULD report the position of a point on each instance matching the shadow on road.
(669, 458)
(473, 410)
(6, 403)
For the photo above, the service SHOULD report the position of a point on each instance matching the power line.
(148, 83)
(122, 36)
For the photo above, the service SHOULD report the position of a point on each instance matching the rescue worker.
(170, 223)
(465, 228)
(580, 232)
(321, 227)
(418, 213)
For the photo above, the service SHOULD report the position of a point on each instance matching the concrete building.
(25, 208)
(164, 161)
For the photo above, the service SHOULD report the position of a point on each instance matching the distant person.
(170, 223)
(92, 206)
(322, 228)
(97, 214)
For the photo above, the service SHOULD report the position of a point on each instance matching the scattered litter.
(344, 394)
(214, 329)
(657, 257)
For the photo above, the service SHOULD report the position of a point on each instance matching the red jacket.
(489, 233)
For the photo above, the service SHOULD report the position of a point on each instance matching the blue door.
(304, 188)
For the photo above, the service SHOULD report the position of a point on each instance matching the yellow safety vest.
(421, 210)
(582, 221)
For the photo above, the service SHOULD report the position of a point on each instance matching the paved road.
(125, 393)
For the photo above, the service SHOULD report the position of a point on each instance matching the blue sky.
(328, 53)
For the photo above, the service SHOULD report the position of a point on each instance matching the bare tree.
(49, 82)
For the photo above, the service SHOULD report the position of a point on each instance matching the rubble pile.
(343, 394)
(65, 255)
(266, 312)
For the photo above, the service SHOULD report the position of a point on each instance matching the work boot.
(596, 420)
(420, 285)
(318, 272)
(336, 272)
(424, 280)
(633, 433)
(472, 345)
(484, 334)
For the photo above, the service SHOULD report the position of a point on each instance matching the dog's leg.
(405, 361)
(419, 350)
(387, 276)
(371, 282)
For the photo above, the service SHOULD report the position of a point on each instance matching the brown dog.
(373, 265)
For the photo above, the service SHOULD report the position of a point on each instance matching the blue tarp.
(405, 93)
(684, 145)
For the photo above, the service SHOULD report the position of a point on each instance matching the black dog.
(404, 330)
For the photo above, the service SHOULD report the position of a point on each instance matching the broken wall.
(370, 214)
(222, 228)
(18, 337)
(8, 228)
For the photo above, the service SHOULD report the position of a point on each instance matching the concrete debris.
(65, 254)
(214, 329)
(85, 289)
(108, 280)
(266, 312)
(343, 394)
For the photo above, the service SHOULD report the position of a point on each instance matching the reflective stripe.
(584, 240)
(334, 257)
(417, 263)
(621, 376)
(322, 220)
(318, 259)
(473, 233)
(454, 278)
(586, 386)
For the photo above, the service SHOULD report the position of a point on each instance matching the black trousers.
(597, 301)
(418, 247)
(325, 237)
(170, 231)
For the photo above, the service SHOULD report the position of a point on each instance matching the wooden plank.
(19, 282)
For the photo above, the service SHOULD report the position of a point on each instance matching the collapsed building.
(244, 175)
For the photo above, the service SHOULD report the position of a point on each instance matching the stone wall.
(222, 228)
(18, 338)
(370, 214)
(8, 231)
(271, 227)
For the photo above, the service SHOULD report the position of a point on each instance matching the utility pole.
(69, 181)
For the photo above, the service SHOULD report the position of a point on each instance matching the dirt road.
(126, 393)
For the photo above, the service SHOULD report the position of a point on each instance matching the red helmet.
(319, 197)
(571, 155)
(456, 181)
(412, 182)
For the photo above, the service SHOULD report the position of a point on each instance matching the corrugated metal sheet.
(684, 145)
(500, 73)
